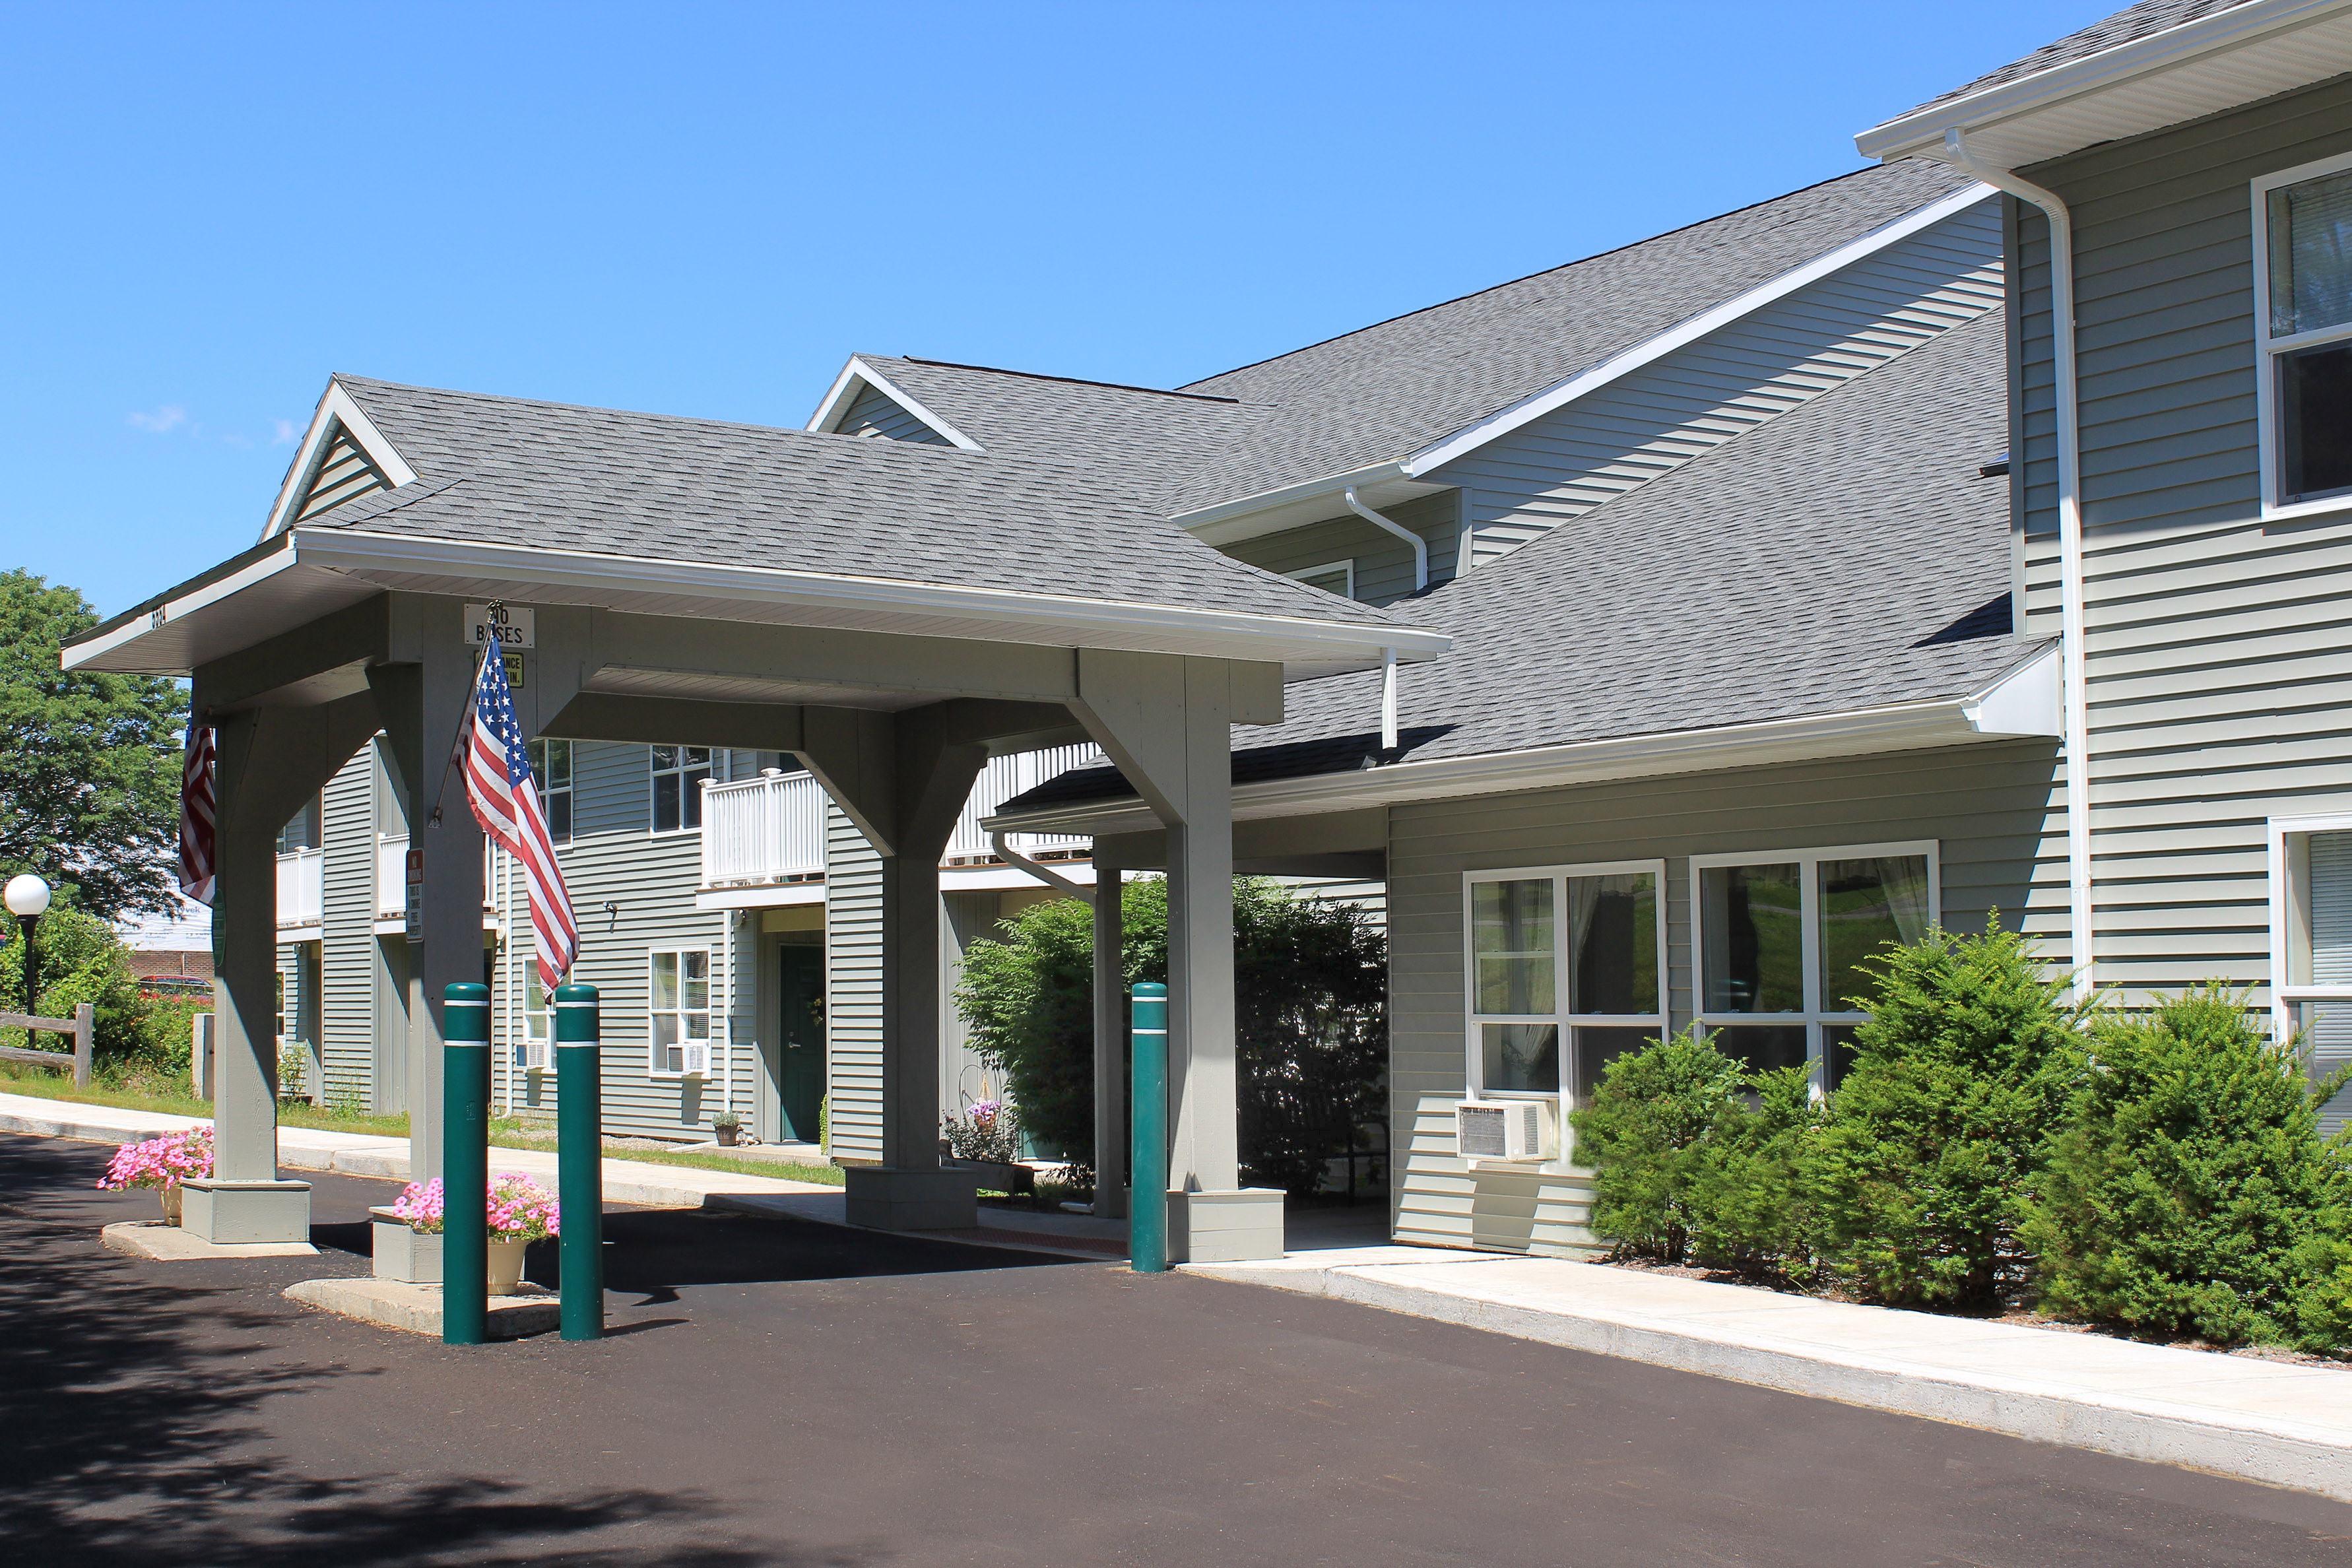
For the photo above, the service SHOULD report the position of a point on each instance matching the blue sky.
(704, 209)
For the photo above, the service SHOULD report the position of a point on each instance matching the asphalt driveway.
(786, 1393)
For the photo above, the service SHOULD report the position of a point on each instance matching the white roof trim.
(196, 598)
(1921, 132)
(356, 550)
(337, 409)
(844, 393)
(1859, 733)
(1559, 394)
(1305, 490)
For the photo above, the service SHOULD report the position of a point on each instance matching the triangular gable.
(865, 401)
(342, 456)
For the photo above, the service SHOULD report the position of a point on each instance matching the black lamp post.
(28, 900)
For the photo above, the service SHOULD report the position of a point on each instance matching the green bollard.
(465, 1164)
(1146, 1225)
(580, 1158)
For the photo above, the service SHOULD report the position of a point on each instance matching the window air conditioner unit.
(535, 1056)
(697, 1059)
(1502, 1130)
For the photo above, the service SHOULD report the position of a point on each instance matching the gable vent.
(344, 474)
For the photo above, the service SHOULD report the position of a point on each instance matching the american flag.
(505, 798)
(196, 815)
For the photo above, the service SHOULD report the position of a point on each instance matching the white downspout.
(1013, 858)
(1420, 545)
(1387, 699)
(2076, 717)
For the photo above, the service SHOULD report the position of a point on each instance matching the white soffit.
(844, 393)
(692, 686)
(337, 410)
(2219, 61)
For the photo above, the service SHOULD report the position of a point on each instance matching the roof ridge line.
(1072, 380)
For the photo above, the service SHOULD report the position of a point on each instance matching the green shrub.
(81, 960)
(1935, 1134)
(2190, 1192)
(1642, 1133)
(1751, 1189)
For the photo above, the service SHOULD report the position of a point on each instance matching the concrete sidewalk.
(2267, 1421)
(363, 1154)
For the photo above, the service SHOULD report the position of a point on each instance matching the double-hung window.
(678, 775)
(680, 1037)
(535, 1051)
(2311, 945)
(2303, 322)
(1567, 970)
(1782, 938)
(550, 766)
(1333, 577)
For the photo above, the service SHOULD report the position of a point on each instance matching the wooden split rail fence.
(82, 1027)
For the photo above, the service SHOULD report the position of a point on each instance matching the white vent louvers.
(1502, 1130)
(535, 1056)
(697, 1059)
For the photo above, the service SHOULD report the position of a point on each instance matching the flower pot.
(726, 1136)
(506, 1267)
(400, 1253)
(171, 1203)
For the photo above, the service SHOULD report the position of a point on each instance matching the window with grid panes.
(1565, 973)
(678, 774)
(680, 992)
(550, 767)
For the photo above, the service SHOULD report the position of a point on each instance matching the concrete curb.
(2280, 1452)
(416, 1309)
(161, 1243)
(65, 1126)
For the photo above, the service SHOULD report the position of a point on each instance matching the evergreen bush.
(1936, 1135)
(1751, 1189)
(2190, 1191)
(1642, 1133)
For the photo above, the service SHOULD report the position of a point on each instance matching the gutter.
(1420, 545)
(1052, 879)
(2081, 876)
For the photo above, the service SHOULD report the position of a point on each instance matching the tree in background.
(83, 961)
(1311, 1019)
(89, 763)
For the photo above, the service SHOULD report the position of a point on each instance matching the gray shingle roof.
(1385, 391)
(516, 471)
(2132, 23)
(1153, 438)
(1847, 555)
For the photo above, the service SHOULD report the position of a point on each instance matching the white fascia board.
(1920, 133)
(766, 896)
(355, 550)
(844, 392)
(1305, 490)
(196, 598)
(337, 409)
(1623, 363)
(1859, 732)
(2025, 702)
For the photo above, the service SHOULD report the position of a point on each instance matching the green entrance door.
(802, 1085)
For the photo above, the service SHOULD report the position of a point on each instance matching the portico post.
(580, 1158)
(465, 1164)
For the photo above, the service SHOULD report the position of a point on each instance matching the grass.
(829, 1176)
(146, 1094)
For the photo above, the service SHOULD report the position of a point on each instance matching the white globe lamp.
(27, 898)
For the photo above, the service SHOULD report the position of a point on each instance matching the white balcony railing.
(391, 875)
(301, 889)
(999, 781)
(767, 830)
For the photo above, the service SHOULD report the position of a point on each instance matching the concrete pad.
(2285, 1425)
(416, 1309)
(153, 1239)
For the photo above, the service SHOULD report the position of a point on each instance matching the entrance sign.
(509, 626)
(514, 663)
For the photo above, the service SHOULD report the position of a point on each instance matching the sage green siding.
(1988, 807)
(347, 959)
(853, 989)
(876, 415)
(1383, 562)
(2219, 654)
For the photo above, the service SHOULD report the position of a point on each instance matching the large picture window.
(2303, 272)
(1566, 970)
(1783, 939)
(680, 1039)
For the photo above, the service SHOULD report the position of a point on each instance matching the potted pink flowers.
(408, 1231)
(163, 1163)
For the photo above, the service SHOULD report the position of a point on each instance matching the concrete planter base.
(400, 1253)
(234, 1211)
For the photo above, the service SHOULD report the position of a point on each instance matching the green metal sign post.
(580, 1158)
(1146, 1226)
(465, 1164)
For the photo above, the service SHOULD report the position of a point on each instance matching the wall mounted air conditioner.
(535, 1056)
(1518, 1130)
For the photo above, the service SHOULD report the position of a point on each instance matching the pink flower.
(163, 1162)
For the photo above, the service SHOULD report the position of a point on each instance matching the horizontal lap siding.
(2219, 650)
(1991, 808)
(1777, 358)
(347, 956)
(852, 934)
(872, 413)
(1383, 562)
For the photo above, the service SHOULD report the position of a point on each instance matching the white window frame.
(654, 1065)
(1472, 1040)
(1815, 1016)
(2268, 349)
(2290, 879)
(535, 1026)
(654, 774)
(542, 749)
(1346, 568)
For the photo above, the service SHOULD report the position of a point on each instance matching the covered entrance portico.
(893, 664)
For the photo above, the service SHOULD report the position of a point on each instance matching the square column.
(1111, 1040)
